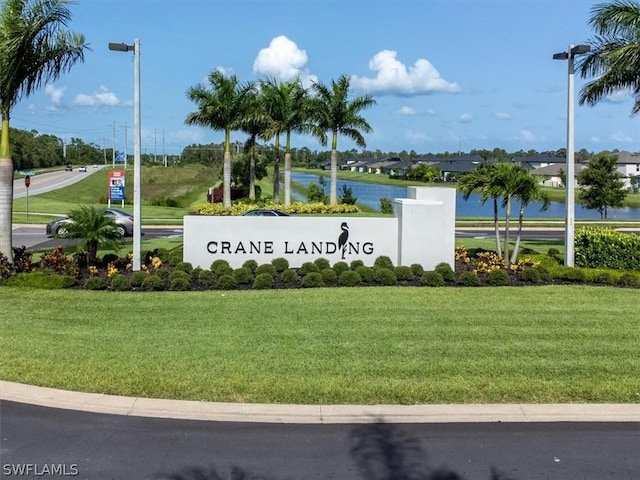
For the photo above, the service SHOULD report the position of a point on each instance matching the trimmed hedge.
(601, 247)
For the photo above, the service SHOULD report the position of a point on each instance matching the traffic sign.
(27, 181)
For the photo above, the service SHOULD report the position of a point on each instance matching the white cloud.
(283, 60)
(395, 78)
(415, 136)
(465, 118)
(527, 136)
(620, 96)
(595, 139)
(621, 137)
(55, 94)
(502, 116)
(406, 111)
(102, 97)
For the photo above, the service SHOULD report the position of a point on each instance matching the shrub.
(6, 269)
(417, 269)
(152, 283)
(308, 267)
(383, 262)
(119, 283)
(366, 273)
(41, 280)
(22, 260)
(446, 271)
(384, 276)
(628, 279)
(267, 268)
(226, 282)
(349, 278)
(570, 274)
(110, 258)
(386, 205)
(138, 278)
(184, 267)
(289, 276)
(263, 281)
(404, 273)
(555, 255)
(498, 278)
(175, 256)
(432, 279)
(603, 277)
(207, 279)
(280, 264)
(95, 283)
(356, 263)
(312, 280)
(243, 275)
(57, 261)
(180, 284)
(322, 263)
(163, 274)
(329, 275)
(545, 274)
(340, 267)
(598, 247)
(469, 279)
(179, 274)
(221, 267)
(195, 273)
(251, 265)
(530, 275)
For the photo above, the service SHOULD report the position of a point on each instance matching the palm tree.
(334, 112)
(220, 107)
(95, 230)
(253, 122)
(614, 57)
(35, 49)
(528, 191)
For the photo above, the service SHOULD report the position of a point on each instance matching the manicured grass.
(329, 346)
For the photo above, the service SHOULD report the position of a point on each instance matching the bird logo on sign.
(342, 239)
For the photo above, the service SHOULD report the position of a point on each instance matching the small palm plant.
(95, 229)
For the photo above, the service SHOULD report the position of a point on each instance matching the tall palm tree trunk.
(276, 172)
(252, 172)
(516, 248)
(287, 179)
(496, 225)
(226, 179)
(6, 206)
(507, 218)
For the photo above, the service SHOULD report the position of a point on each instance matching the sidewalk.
(316, 414)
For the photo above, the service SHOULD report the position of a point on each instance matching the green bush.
(152, 283)
(95, 283)
(603, 277)
(137, 279)
(308, 267)
(349, 278)
(384, 276)
(221, 267)
(383, 262)
(207, 279)
(163, 273)
(226, 282)
(312, 280)
(322, 263)
(119, 283)
(356, 263)
(404, 273)
(446, 271)
(597, 247)
(469, 279)
(267, 268)
(366, 273)
(289, 276)
(180, 284)
(44, 280)
(386, 205)
(498, 278)
(340, 267)
(184, 267)
(195, 273)
(629, 279)
(555, 255)
(432, 279)
(175, 256)
(243, 275)
(545, 273)
(329, 275)
(179, 274)
(417, 269)
(570, 274)
(530, 275)
(251, 265)
(280, 264)
(263, 281)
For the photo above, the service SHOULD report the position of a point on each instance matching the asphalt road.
(103, 446)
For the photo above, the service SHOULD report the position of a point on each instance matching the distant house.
(628, 165)
(551, 175)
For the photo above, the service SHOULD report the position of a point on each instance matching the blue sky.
(447, 75)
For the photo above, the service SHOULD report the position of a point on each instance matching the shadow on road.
(380, 451)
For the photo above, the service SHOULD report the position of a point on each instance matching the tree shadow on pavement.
(380, 451)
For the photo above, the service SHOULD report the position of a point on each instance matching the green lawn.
(399, 345)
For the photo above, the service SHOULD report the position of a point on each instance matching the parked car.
(265, 212)
(68, 168)
(122, 219)
(82, 169)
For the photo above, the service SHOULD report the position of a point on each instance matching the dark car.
(68, 168)
(265, 212)
(122, 219)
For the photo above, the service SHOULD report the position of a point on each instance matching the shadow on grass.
(380, 451)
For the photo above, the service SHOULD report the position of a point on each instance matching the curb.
(316, 414)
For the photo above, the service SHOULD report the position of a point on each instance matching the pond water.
(370, 194)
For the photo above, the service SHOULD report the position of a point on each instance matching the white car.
(82, 169)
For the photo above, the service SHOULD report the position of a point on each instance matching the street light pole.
(137, 211)
(569, 242)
